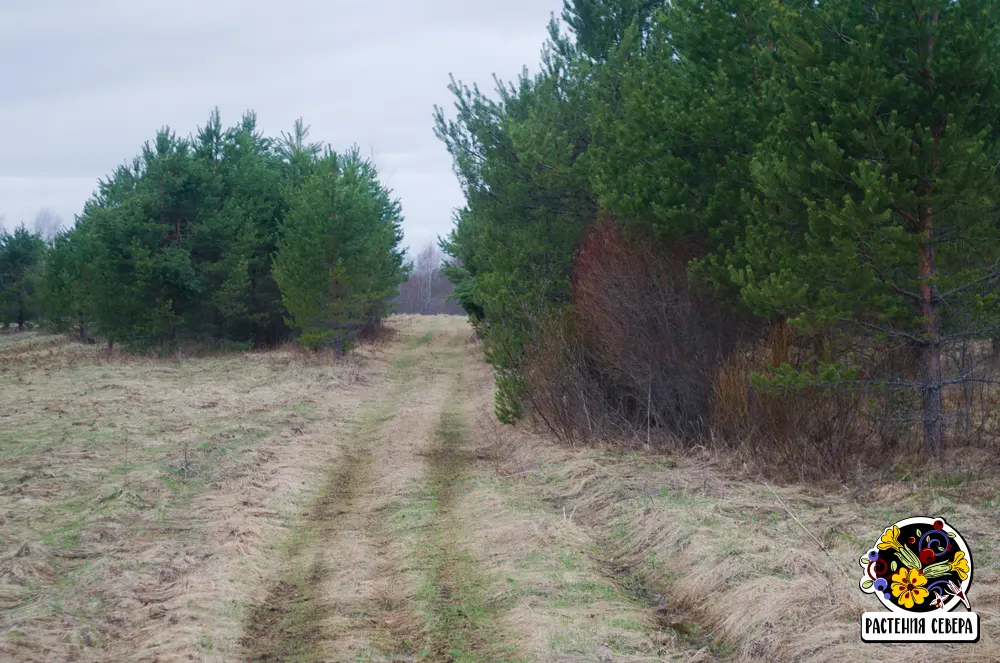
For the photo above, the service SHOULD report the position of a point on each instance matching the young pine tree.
(21, 259)
(63, 288)
(338, 263)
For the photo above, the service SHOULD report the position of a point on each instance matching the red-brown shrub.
(651, 337)
(643, 354)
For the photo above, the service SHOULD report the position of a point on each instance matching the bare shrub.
(971, 395)
(427, 291)
(634, 356)
(563, 389)
(378, 336)
(652, 337)
(809, 432)
(643, 355)
(730, 409)
(499, 446)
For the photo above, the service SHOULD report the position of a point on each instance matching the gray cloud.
(85, 84)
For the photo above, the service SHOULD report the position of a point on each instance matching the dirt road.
(399, 557)
(275, 506)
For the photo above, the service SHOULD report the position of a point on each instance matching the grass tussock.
(740, 578)
(565, 598)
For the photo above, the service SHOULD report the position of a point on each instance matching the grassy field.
(276, 506)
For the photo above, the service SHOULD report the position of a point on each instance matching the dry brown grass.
(386, 488)
(690, 557)
(738, 578)
(137, 495)
(373, 578)
(347, 583)
(734, 566)
(562, 600)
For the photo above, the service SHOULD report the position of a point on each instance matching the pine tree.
(522, 163)
(338, 264)
(63, 290)
(21, 256)
(180, 244)
(255, 176)
(676, 125)
(144, 280)
(600, 25)
(878, 180)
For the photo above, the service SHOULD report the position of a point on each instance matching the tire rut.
(288, 624)
(461, 615)
(330, 605)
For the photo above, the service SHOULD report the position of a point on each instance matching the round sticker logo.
(919, 565)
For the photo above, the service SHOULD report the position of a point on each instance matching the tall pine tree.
(878, 180)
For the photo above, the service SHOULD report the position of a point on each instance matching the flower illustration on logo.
(918, 565)
(908, 587)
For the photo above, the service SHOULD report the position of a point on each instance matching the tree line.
(685, 184)
(224, 237)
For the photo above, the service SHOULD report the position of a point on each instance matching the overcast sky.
(84, 84)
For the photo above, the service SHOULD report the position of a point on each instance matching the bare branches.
(428, 290)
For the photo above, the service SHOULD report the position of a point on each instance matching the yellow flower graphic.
(908, 587)
(960, 565)
(890, 539)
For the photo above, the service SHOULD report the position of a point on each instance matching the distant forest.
(428, 291)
